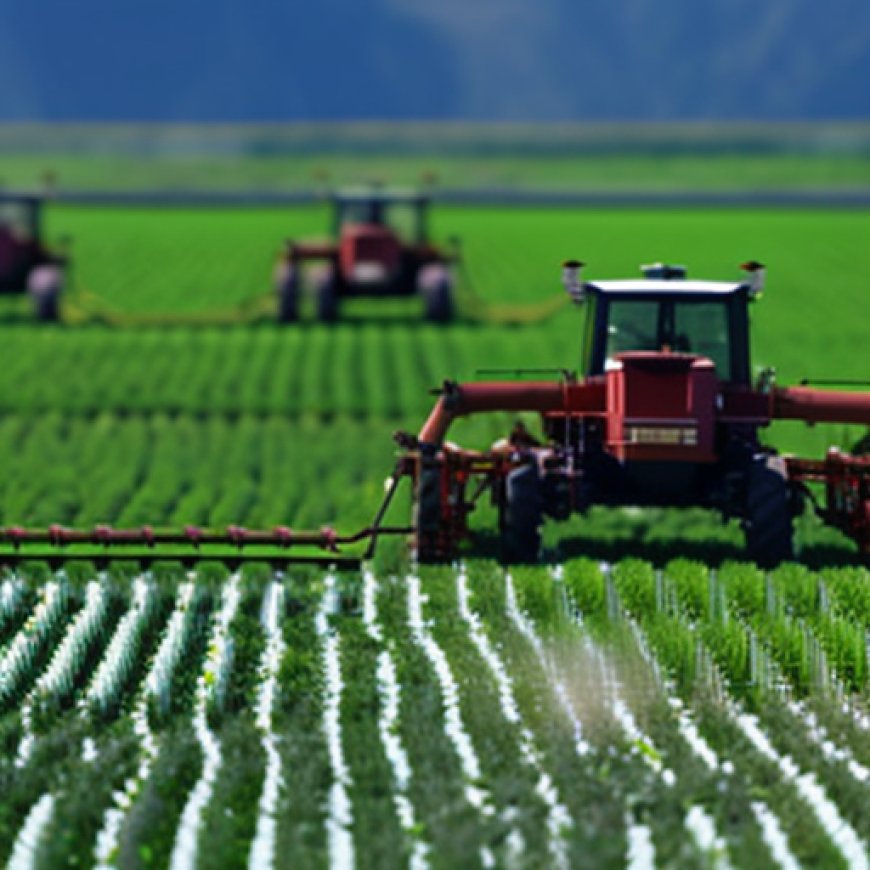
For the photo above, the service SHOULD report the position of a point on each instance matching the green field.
(643, 698)
(607, 715)
(208, 422)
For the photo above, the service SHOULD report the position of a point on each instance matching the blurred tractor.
(380, 247)
(26, 264)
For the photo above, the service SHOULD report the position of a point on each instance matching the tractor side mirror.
(572, 280)
(766, 380)
(755, 275)
(428, 179)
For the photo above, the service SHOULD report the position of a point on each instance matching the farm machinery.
(379, 247)
(26, 263)
(664, 413)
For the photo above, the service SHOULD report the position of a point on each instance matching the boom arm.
(846, 478)
(459, 400)
(820, 406)
(590, 398)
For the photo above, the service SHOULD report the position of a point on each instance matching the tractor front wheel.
(439, 302)
(435, 287)
(522, 515)
(44, 285)
(288, 297)
(326, 301)
(46, 307)
(768, 520)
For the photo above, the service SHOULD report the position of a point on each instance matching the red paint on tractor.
(365, 245)
(661, 406)
(820, 406)
(379, 247)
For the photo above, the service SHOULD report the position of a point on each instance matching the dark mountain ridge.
(413, 59)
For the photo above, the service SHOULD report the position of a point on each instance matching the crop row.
(134, 471)
(160, 470)
(178, 260)
(373, 370)
(216, 471)
(459, 717)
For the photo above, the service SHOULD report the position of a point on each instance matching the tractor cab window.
(404, 217)
(680, 325)
(702, 328)
(363, 212)
(16, 220)
(632, 326)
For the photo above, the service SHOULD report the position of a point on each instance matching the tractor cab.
(26, 264)
(665, 312)
(20, 247)
(402, 213)
(379, 247)
(373, 229)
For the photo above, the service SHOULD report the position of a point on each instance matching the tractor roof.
(658, 287)
(21, 197)
(385, 194)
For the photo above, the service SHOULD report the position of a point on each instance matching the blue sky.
(462, 59)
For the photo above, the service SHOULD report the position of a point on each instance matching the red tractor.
(26, 264)
(380, 247)
(664, 414)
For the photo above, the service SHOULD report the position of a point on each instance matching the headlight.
(677, 436)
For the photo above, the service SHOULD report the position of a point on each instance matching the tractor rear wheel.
(428, 518)
(768, 520)
(288, 297)
(438, 301)
(44, 285)
(522, 515)
(326, 299)
(46, 306)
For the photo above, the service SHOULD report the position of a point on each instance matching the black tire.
(427, 516)
(768, 521)
(438, 301)
(326, 300)
(522, 515)
(46, 307)
(288, 298)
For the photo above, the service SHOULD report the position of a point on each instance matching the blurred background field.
(561, 156)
